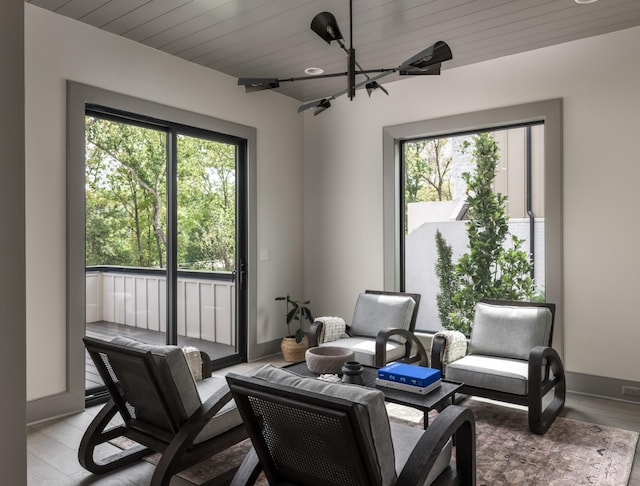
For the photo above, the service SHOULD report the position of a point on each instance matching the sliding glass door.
(164, 239)
(207, 243)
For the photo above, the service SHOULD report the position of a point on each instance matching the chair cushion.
(405, 438)
(228, 416)
(509, 331)
(176, 382)
(179, 387)
(373, 420)
(365, 349)
(502, 374)
(374, 312)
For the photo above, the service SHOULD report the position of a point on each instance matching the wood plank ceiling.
(272, 38)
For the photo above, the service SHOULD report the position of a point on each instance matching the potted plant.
(294, 344)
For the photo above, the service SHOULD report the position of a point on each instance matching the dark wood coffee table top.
(435, 400)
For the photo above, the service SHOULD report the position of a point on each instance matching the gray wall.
(13, 462)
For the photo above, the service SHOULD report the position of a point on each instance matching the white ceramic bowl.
(327, 359)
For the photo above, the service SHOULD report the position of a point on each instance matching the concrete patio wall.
(421, 257)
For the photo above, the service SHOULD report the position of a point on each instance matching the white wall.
(597, 78)
(59, 49)
(13, 447)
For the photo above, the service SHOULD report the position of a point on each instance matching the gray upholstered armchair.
(381, 331)
(509, 358)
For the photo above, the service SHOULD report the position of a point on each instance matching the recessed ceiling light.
(314, 71)
(584, 2)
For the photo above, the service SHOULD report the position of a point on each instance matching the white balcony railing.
(206, 307)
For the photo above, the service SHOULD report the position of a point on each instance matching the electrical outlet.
(632, 391)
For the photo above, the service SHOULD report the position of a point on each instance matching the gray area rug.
(571, 453)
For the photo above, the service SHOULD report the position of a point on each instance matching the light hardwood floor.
(52, 447)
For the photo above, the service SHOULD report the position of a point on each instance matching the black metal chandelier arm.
(315, 103)
(349, 52)
(256, 81)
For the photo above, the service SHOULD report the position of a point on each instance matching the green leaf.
(307, 314)
(291, 314)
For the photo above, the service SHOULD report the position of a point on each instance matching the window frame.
(548, 112)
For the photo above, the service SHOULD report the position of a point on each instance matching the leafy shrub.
(489, 269)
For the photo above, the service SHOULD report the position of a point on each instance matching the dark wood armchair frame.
(411, 341)
(345, 445)
(545, 369)
(175, 445)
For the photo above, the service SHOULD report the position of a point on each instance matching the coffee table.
(438, 399)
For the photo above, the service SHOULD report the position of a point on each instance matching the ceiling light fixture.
(425, 62)
(585, 2)
(314, 71)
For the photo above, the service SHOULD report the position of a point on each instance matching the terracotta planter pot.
(292, 351)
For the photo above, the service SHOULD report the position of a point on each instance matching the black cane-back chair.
(310, 432)
(161, 407)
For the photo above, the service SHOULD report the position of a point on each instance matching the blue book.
(409, 374)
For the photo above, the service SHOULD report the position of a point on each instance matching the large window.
(438, 174)
(424, 192)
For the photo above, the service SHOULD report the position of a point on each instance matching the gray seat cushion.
(509, 331)
(365, 349)
(405, 438)
(228, 416)
(181, 390)
(373, 419)
(176, 382)
(502, 374)
(374, 312)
